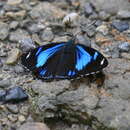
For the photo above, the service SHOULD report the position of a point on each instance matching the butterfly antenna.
(89, 25)
(82, 30)
(67, 33)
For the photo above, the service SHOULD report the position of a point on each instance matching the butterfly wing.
(51, 61)
(89, 60)
(37, 59)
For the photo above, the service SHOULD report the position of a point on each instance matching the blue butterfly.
(64, 60)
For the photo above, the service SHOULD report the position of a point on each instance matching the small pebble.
(102, 29)
(2, 95)
(12, 108)
(26, 44)
(21, 119)
(18, 35)
(3, 50)
(123, 14)
(4, 121)
(93, 16)
(35, 28)
(1, 63)
(18, 69)
(115, 53)
(13, 118)
(2, 12)
(83, 40)
(4, 30)
(71, 19)
(60, 39)
(34, 126)
(124, 47)
(5, 83)
(24, 110)
(98, 23)
(120, 26)
(15, 94)
(14, 2)
(91, 31)
(103, 15)
(101, 39)
(13, 56)
(16, 15)
(36, 39)
(46, 11)
(125, 55)
(88, 9)
(47, 35)
(1, 4)
(13, 25)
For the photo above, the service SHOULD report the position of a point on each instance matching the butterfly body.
(64, 60)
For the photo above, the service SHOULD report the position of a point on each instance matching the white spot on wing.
(28, 55)
(102, 62)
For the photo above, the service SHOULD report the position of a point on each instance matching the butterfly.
(65, 60)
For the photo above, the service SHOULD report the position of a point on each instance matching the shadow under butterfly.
(65, 60)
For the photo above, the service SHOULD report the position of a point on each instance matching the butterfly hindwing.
(63, 61)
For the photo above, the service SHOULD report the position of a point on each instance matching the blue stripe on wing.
(83, 58)
(71, 73)
(42, 72)
(39, 50)
(43, 56)
(95, 55)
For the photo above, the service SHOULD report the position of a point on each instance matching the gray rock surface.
(88, 9)
(94, 103)
(14, 2)
(13, 56)
(13, 25)
(34, 126)
(26, 43)
(12, 108)
(5, 83)
(17, 15)
(82, 103)
(120, 26)
(49, 10)
(18, 35)
(47, 35)
(103, 15)
(102, 29)
(123, 14)
(124, 47)
(111, 6)
(109, 113)
(4, 30)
